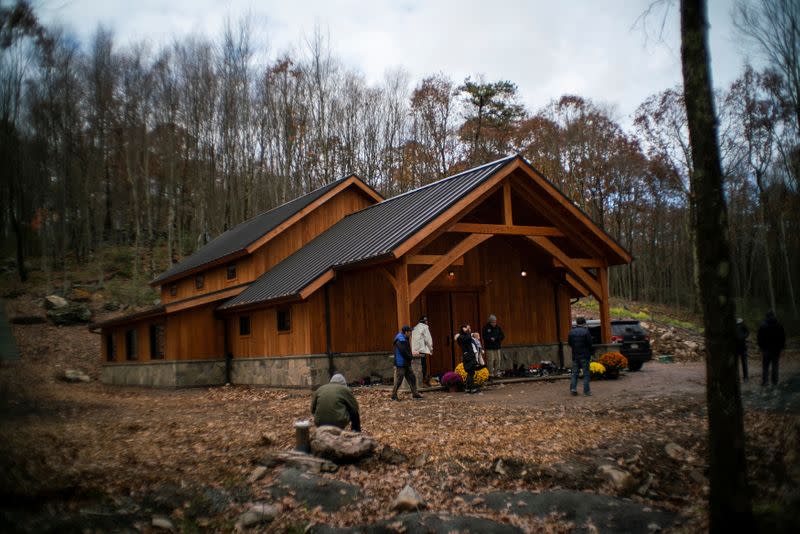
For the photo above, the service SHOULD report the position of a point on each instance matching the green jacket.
(334, 404)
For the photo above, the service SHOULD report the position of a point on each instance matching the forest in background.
(163, 148)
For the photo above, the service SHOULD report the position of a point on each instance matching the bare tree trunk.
(762, 200)
(785, 255)
(729, 499)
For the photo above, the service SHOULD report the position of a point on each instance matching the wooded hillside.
(166, 147)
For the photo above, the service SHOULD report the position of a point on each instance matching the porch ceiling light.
(451, 274)
(524, 273)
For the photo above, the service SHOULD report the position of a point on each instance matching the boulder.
(257, 513)
(341, 446)
(111, 306)
(162, 523)
(676, 452)
(80, 295)
(54, 302)
(73, 375)
(408, 500)
(302, 461)
(621, 480)
(70, 314)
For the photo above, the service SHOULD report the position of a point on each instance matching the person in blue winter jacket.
(402, 363)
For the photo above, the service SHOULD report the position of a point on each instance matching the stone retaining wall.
(172, 373)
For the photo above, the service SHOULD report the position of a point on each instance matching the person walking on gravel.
(402, 363)
(580, 340)
(771, 340)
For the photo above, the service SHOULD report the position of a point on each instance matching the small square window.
(244, 325)
(231, 271)
(199, 281)
(173, 290)
(111, 348)
(284, 320)
(130, 344)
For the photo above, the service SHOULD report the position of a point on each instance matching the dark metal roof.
(370, 233)
(240, 236)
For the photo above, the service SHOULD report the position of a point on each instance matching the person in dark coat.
(468, 356)
(580, 340)
(771, 341)
(334, 404)
(742, 333)
(402, 363)
(492, 340)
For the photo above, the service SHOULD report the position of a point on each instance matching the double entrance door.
(446, 312)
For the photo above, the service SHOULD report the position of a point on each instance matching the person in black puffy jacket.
(580, 340)
(771, 341)
(468, 357)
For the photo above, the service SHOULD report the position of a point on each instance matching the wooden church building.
(321, 284)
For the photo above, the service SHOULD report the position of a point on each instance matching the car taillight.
(616, 339)
(647, 338)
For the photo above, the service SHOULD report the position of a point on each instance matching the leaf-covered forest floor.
(89, 457)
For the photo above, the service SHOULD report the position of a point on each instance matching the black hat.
(406, 328)
(580, 320)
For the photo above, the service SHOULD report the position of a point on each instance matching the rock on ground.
(408, 500)
(163, 523)
(257, 473)
(70, 314)
(341, 446)
(426, 523)
(676, 452)
(257, 513)
(301, 461)
(330, 495)
(620, 479)
(607, 514)
(55, 302)
(73, 375)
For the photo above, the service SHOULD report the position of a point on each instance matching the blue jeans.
(576, 365)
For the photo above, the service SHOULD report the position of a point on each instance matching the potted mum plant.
(452, 381)
(597, 370)
(614, 362)
(481, 377)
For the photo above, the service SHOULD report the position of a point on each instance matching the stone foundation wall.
(313, 370)
(528, 354)
(173, 373)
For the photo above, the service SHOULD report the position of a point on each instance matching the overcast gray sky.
(548, 48)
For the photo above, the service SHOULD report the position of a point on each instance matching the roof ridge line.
(437, 182)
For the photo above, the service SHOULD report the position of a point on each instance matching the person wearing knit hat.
(492, 339)
(334, 404)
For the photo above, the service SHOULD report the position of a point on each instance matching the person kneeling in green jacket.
(334, 404)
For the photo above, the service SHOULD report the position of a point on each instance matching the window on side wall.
(199, 281)
(130, 344)
(111, 347)
(244, 325)
(231, 271)
(157, 342)
(284, 320)
(173, 290)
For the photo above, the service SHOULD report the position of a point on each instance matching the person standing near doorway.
(468, 357)
(402, 363)
(422, 344)
(492, 340)
(580, 340)
(771, 340)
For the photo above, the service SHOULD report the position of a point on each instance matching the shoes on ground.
(587, 393)
(394, 398)
(417, 396)
(573, 393)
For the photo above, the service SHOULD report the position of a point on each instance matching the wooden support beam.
(505, 229)
(430, 259)
(507, 214)
(389, 276)
(402, 294)
(591, 263)
(605, 305)
(426, 277)
(577, 285)
(316, 284)
(585, 278)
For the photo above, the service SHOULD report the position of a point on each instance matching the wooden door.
(446, 312)
(438, 312)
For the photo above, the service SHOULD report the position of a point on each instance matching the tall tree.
(729, 499)
(491, 114)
